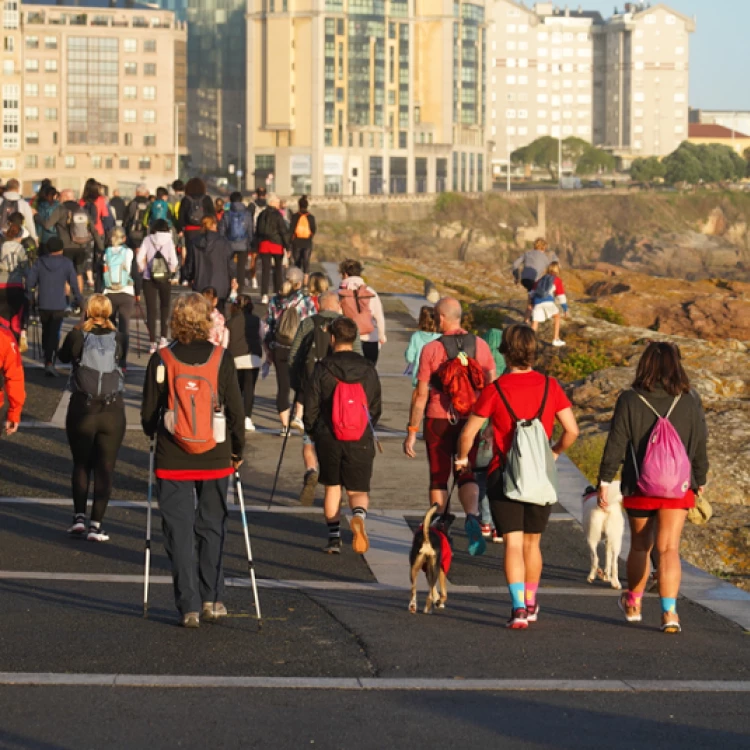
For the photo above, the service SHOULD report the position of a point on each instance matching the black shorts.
(528, 284)
(512, 515)
(78, 256)
(640, 513)
(346, 464)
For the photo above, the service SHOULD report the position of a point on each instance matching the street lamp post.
(177, 139)
(239, 157)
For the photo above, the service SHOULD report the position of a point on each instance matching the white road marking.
(49, 679)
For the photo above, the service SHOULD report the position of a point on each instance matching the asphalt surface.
(72, 610)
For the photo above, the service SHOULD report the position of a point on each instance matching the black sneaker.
(333, 547)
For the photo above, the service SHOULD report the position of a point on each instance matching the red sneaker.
(519, 619)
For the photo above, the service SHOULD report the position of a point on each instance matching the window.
(50, 66)
(32, 42)
(50, 114)
(50, 90)
(131, 69)
(32, 161)
(567, 84)
(149, 116)
(583, 99)
(108, 163)
(583, 130)
(671, 20)
(32, 113)
(128, 139)
(49, 162)
(523, 80)
(130, 92)
(144, 162)
(149, 93)
(638, 128)
(511, 28)
(522, 28)
(510, 62)
(50, 42)
(542, 67)
(679, 98)
(31, 89)
(149, 140)
(679, 51)
(149, 69)
(70, 162)
(32, 65)
(651, 20)
(510, 80)
(511, 130)
(149, 45)
(679, 129)
(542, 52)
(542, 130)
(523, 114)
(510, 44)
(523, 62)
(542, 36)
(510, 114)
(124, 162)
(542, 98)
(639, 49)
(96, 162)
(541, 114)
(639, 65)
(129, 115)
(32, 137)
(679, 114)
(523, 130)
(130, 45)
(639, 97)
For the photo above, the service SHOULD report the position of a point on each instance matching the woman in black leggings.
(95, 424)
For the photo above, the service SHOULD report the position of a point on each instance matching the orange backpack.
(355, 304)
(193, 401)
(302, 231)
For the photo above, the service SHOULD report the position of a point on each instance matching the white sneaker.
(97, 535)
(78, 528)
(163, 342)
(298, 425)
(254, 283)
(558, 342)
(249, 426)
(264, 299)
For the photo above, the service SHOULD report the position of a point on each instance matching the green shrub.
(578, 364)
(610, 315)
(448, 202)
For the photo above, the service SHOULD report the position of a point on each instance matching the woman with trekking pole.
(199, 443)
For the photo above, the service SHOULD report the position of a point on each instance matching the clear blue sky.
(719, 49)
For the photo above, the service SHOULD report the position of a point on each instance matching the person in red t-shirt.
(441, 428)
(11, 378)
(521, 524)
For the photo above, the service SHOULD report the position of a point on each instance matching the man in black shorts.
(345, 444)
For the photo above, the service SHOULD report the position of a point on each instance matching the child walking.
(246, 346)
(426, 333)
(219, 335)
(545, 296)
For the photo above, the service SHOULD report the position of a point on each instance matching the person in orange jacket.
(11, 379)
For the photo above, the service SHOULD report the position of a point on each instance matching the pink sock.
(634, 598)
(530, 593)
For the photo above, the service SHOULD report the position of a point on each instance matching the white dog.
(598, 522)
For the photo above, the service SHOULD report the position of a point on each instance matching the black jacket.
(348, 367)
(244, 335)
(118, 209)
(632, 423)
(211, 264)
(303, 241)
(182, 219)
(169, 455)
(271, 227)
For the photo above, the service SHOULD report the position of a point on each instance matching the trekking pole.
(372, 427)
(281, 458)
(147, 563)
(250, 564)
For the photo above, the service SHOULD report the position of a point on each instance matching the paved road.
(339, 662)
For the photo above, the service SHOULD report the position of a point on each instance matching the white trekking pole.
(250, 564)
(147, 563)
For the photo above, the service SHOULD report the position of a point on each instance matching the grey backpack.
(97, 374)
(530, 474)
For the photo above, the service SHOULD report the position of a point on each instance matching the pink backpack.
(666, 470)
(350, 414)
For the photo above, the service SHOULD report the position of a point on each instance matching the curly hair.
(541, 244)
(191, 318)
(195, 187)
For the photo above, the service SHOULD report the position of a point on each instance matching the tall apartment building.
(541, 74)
(217, 82)
(645, 52)
(620, 83)
(366, 96)
(92, 88)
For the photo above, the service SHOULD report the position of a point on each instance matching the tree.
(542, 153)
(647, 170)
(746, 154)
(683, 165)
(594, 161)
(707, 162)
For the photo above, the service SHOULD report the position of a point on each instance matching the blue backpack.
(545, 288)
(116, 273)
(44, 211)
(160, 210)
(237, 227)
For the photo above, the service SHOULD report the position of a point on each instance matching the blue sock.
(668, 604)
(517, 595)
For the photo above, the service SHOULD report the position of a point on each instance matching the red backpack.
(350, 414)
(355, 304)
(193, 401)
(461, 376)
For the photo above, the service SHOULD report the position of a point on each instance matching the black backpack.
(136, 230)
(195, 211)
(315, 347)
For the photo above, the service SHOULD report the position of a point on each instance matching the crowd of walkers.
(487, 416)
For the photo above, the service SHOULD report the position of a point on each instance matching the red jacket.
(11, 369)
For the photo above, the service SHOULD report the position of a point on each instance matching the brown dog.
(428, 553)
